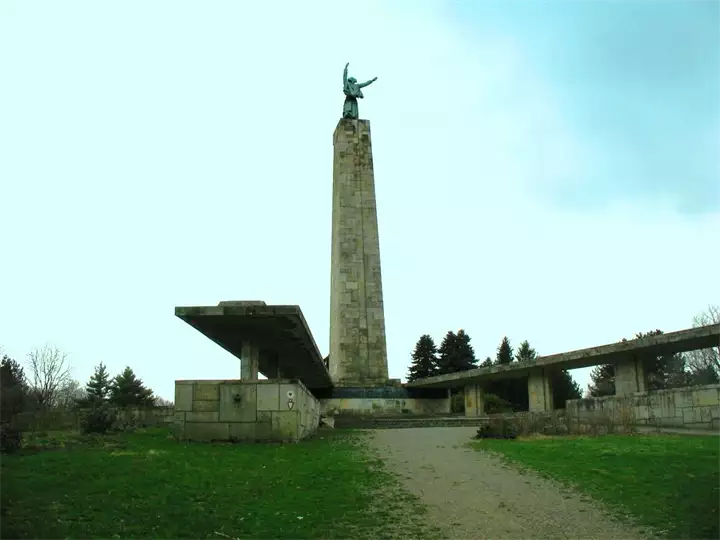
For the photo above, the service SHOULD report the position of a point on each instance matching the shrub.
(10, 439)
(495, 404)
(99, 420)
(501, 429)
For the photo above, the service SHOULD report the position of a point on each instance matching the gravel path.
(471, 494)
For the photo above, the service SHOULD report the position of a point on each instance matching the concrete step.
(369, 422)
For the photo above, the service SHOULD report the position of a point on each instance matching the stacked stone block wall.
(694, 408)
(244, 411)
(358, 350)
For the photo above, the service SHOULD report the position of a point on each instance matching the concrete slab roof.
(280, 330)
(692, 339)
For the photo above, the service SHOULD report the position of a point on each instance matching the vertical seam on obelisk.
(364, 255)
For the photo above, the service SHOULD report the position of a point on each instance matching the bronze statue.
(351, 89)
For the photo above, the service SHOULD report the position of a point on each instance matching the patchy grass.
(670, 483)
(145, 485)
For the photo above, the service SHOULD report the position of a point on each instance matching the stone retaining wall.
(695, 407)
(276, 410)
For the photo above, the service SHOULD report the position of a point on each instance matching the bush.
(10, 439)
(495, 404)
(497, 430)
(99, 420)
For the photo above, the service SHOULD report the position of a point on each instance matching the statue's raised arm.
(353, 92)
(363, 85)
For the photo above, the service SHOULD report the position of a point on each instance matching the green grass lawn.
(145, 485)
(670, 483)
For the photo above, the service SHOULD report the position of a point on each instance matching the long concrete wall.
(694, 407)
(244, 411)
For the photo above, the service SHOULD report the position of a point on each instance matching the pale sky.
(544, 170)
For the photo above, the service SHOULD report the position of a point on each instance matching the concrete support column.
(273, 361)
(540, 393)
(630, 376)
(249, 362)
(474, 400)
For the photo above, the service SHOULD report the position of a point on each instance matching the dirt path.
(471, 494)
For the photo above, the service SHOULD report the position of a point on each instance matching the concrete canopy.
(702, 337)
(280, 333)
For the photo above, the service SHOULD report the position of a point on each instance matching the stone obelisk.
(358, 350)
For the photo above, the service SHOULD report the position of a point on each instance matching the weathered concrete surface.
(286, 348)
(630, 376)
(474, 400)
(702, 337)
(255, 411)
(358, 350)
(384, 401)
(540, 392)
(695, 408)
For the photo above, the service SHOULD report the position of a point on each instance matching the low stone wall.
(695, 407)
(276, 410)
(125, 418)
(384, 401)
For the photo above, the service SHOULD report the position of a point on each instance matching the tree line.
(455, 354)
(694, 368)
(48, 385)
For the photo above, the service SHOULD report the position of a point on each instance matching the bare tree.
(704, 365)
(162, 402)
(49, 373)
(69, 394)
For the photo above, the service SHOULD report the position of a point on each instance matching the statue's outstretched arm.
(345, 74)
(363, 85)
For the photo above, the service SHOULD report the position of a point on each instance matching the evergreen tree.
(14, 389)
(504, 352)
(97, 389)
(487, 362)
(525, 353)
(564, 387)
(424, 359)
(127, 390)
(455, 353)
(602, 381)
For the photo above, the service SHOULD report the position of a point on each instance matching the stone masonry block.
(206, 406)
(242, 410)
(705, 397)
(207, 431)
(202, 416)
(692, 415)
(243, 431)
(183, 396)
(285, 425)
(268, 397)
(207, 391)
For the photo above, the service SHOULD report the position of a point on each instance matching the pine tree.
(465, 354)
(564, 387)
(487, 362)
(455, 353)
(424, 359)
(97, 389)
(504, 352)
(602, 381)
(14, 389)
(127, 390)
(525, 353)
